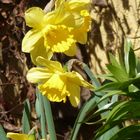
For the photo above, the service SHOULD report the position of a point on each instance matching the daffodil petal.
(16, 136)
(73, 77)
(49, 64)
(83, 82)
(74, 91)
(77, 6)
(38, 75)
(80, 34)
(34, 17)
(31, 137)
(40, 50)
(30, 39)
(58, 3)
(76, 78)
(73, 4)
(59, 16)
(71, 51)
(80, 13)
(63, 15)
(81, 39)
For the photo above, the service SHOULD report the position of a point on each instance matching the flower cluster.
(56, 31)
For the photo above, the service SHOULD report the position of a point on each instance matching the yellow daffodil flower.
(55, 83)
(56, 31)
(80, 10)
(17, 136)
(48, 33)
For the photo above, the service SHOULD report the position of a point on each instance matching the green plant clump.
(117, 99)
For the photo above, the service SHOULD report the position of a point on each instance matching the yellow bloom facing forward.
(55, 83)
(58, 30)
(46, 36)
(17, 136)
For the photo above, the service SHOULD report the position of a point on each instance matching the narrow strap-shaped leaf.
(131, 132)
(129, 59)
(132, 64)
(138, 65)
(107, 131)
(96, 83)
(125, 110)
(49, 119)
(81, 116)
(2, 134)
(41, 114)
(127, 46)
(26, 117)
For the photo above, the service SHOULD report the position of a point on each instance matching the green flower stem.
(49, 118)
(2, 133)
(42, 116)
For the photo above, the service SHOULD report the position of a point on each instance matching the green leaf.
(129, 59)
(112, 93)
(131, 132)
(92, 103)
(118, 70)
(134, 95)
(96, 83)
(132, 64)
(113, 61)
(101, 104)
(127, 46)
(138, 65)
(108, 134)
(26, 117)
(41, 114)
(31, 137)
(2, 133)
(118, 85)
(93, 115)
(124, 110)
(49, 118)
(105, 108)
(106, 129)
(113, 86)
(108, 77)
(119, 73)
(121, 111)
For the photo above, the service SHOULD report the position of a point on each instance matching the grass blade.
(49, 118)
(41, 115)
(26, 117)
(2, 134)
